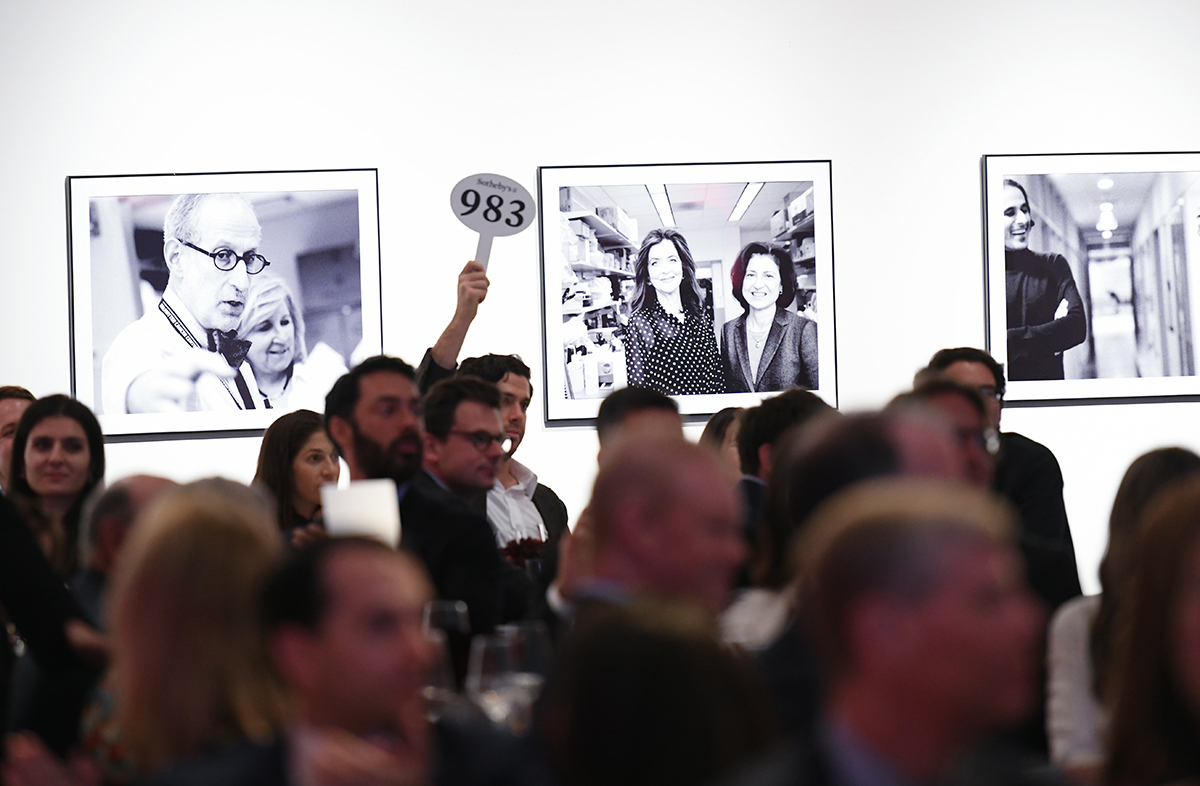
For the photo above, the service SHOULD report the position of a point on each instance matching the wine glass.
(506, 672)
(440, 690)
(452, 619)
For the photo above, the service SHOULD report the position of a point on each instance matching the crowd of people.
(804, 596)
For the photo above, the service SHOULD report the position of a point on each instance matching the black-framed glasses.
(482, 440)
(225, 259)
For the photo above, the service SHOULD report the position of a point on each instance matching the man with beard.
(373, 416)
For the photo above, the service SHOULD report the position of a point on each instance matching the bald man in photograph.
(184, 355)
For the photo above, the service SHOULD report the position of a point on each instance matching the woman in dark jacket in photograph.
(669, 342)
(767, 347)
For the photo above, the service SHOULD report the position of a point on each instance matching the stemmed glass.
(446, 624)
(506, 672)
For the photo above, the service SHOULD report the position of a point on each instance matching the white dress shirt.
(511, 511)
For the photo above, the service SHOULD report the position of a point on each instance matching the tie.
(232, 348)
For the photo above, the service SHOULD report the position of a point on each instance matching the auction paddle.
(493, 206)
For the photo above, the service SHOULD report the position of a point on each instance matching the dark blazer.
(789, 356)
(1027, 475)
(468, 752)
(457, 546)
(240, 764)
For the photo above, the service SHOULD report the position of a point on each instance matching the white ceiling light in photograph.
(662, 203)
(745, 200)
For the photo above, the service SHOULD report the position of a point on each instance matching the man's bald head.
(666, 521)
(108, 515)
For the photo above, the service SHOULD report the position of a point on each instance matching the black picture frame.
(592, 222)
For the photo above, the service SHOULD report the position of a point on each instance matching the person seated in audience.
(762, 427)
(373, 416)
(1083, 635)
(926, 633)
(1154, 732)
(464, 440)
(343, 622)
(48, 619)
(826, 457)
(296, 458)
(637, 410)
(964, 411)
(518, 505)
(464, 445)
(14, 400)
(57, 459)
(629, 412)
(645, 695)
(189, 666)
(720, 435)
(190, 671)
(663, 521)
(1025, 473)
(48, 702)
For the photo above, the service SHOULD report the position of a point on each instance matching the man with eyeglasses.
(184, 354)
(464, 440)
(1026, 474)
(464, 446)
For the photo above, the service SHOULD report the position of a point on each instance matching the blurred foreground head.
(666, 522)
(190, 660)
(918, 606)
(829, 454)
(1156, 666)
(344, 622)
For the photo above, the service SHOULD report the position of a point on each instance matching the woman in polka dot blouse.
(670, 346)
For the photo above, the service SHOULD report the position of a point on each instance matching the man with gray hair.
(184, 355)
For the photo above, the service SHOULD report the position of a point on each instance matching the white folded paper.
(365, 507)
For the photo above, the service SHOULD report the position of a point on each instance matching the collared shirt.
(151, 341)
(511, 511)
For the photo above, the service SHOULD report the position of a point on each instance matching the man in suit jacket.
(344, 628)
(372, 414)
(1027, 475)
(517, 504)
(926, 632)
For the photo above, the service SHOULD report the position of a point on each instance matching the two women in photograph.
(670, 345)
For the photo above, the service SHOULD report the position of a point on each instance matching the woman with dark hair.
(1045, 312)
(57, 459)
(1083, 632)
(669, 343)
(1154, 735)
(767, 347)
(295, 460)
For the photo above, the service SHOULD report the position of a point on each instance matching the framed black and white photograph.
(216, 302)
(711, 283)
(1093, 264)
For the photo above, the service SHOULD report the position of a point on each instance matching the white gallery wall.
(904, 98)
